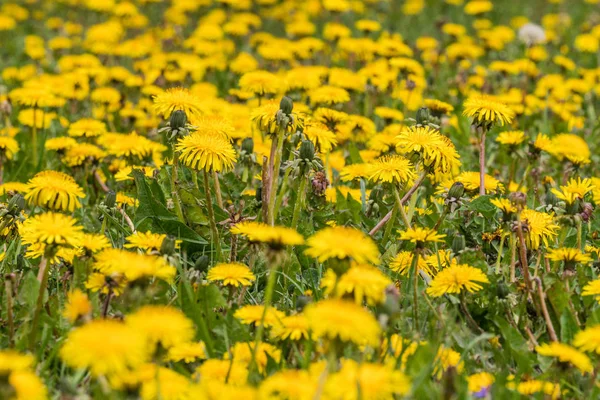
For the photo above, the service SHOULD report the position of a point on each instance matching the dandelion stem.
(406, 197)
(211, 217)
(499, 256)
(9, 308)
(34, 139)
(468, 315)
(482, 163)
(541, 296)
(218, 190)
(174, 192)
(106, 303)
(43, 278)
(260, 329)
(275, 175)
(299, 202)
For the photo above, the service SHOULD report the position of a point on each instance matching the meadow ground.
(299, 199)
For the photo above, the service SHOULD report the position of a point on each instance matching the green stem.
(499, 257)
(34, 138)
(414, 279)
(174, 191)
(400, 205)
(275, 175)
(261, 328)
(482, 163)
(45, 273)
(216, 240)
(299, 202)
(390, 225)
(218, 190)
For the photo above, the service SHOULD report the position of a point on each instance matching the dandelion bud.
(456, 191)
(586, 212)
(458, 244)
(286, 105)
(301, 302)
(307, 151)
(202, 263)
(575, 207)
(168, 245)
(550, 198)
(248, 145)
(16, 204)
(178, 119)
(502, 290)
(422, 115)
(111, 199)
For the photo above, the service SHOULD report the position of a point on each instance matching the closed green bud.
(202, 263)
(307, 150)
(422, 116)
(575, 207)
(168, 245)
(456, 190)
(248, 145)
(258, 195)
(458, 244)
(111, 199)
(301, 302)
(178, 119)
(550, 198)
(502, 290)
(286, 105)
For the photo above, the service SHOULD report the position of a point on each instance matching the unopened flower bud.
(422, 116)
(307, 150)
(286, 105)
(111, 199)
(202, 263)
(248, 145)
(518, 198)
(301, 302)
(456, 191)
(458, 244)
(168, 245)
(178, 119)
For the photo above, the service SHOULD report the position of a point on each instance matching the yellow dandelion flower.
(588, 339)
(392, 169)
(592, 289)
(402, 262)
(344, 320)
(436, 150)
(146, 241)
(51, 230)
(27, 386)
(355, 171)
(11, 360)
(78, 305)
(329, 95)
(234, 373)
(105, 347)
(261, 83)
(511, 138)
(87, 127)
(541, 228)
(133, 266)
(575, 189)
(177, 99)
(533, 386)
(323, 139)
(293, 327)
(342, 243)
(480, 383)
(289, 384)
(568, 255)
(55, 190)
(419, 235)
(447, 358)
(253, 314)
(82, 153)
(231, 274)
(456, 278)
(187, 352)
(438, 107)
(164, 325)
(276, 237)
(566, 353)
(208, 152)
(505, 205)
(362, 282)
(114, 283)
(59, 144)
(8, 147)
(487, 111)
